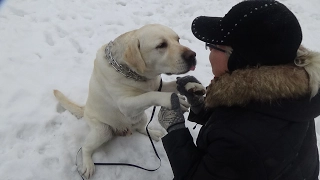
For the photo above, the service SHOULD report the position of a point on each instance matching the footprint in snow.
(52, 162)
(76, 45)
(43, 148)
(121, 3)
(18, 12)
(53, 124)
(49, 39)
(61, 33)
(26, 132)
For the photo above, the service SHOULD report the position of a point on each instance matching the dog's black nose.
(190, 58)
(189, 55)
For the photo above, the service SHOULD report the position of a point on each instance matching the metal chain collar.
(122, 69)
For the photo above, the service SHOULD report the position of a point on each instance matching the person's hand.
(172, 119)
(190, 87)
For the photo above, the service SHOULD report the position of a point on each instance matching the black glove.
(172, 119)
(190, 87)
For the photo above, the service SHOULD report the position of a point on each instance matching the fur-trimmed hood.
(267, 83)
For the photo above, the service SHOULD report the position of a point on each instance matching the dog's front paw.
(88, 168)
(165, 101)
(195, 88)
(155, 134)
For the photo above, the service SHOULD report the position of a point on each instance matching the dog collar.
(121, 68)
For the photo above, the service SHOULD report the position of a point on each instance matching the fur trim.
(263, 84)
(267, 83)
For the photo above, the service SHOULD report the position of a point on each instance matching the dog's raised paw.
(195, 88)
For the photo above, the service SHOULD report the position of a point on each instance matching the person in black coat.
(258, 112)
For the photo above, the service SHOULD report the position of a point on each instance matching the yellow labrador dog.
(124, 84)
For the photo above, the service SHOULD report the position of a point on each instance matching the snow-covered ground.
(51, 44)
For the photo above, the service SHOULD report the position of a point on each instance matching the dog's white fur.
(116, 105)
(310, 60)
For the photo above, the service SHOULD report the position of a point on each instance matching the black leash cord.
(127, 164)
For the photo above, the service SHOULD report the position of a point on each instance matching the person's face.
(219, 59)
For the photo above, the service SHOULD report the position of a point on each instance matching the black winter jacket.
(252, 136)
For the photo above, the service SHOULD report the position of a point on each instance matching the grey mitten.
(172, 119)
(190, 87)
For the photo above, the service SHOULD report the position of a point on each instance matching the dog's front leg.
(135, 105)
(172, 87)
(169, 87)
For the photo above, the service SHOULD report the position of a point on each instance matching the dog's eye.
(162, 45)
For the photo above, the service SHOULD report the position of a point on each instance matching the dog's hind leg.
(141, 128)
(99, 134)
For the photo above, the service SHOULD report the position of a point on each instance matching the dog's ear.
(133, 56)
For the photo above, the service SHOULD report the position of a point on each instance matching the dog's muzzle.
(190, 57)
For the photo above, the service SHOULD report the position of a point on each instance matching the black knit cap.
(261, 32)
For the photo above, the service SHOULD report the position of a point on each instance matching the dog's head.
(155, 49)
